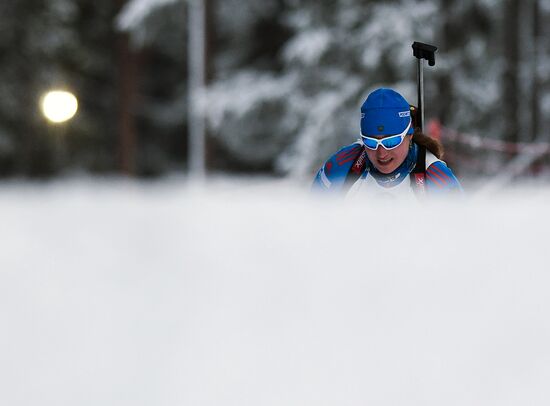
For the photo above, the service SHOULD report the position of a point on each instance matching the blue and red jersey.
(336, 172)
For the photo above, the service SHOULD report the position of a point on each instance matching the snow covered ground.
(251, 293)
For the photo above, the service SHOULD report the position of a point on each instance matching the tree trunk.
(200, 72)
(510, 76)
(128, 70)
(443, 110)
(536, 83)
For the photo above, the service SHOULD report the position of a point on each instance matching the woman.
(391, 158)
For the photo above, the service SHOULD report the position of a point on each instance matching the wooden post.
(128, 68)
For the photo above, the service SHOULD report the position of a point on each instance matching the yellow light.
(59, 106)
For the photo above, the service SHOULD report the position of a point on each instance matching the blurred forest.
(284, 80)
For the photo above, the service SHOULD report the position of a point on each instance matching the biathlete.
(391, 158)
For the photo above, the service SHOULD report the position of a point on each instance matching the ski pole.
(422, 51)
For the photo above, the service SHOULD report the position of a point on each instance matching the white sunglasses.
(388, 143)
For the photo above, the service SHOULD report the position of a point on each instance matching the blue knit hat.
(385, 112)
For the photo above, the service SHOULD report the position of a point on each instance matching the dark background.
(285, 82)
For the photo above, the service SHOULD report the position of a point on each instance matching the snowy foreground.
(123, 294)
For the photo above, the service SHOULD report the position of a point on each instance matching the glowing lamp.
(59, 106)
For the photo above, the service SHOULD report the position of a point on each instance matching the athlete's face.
(388, 161)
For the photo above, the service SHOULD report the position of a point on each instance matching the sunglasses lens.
(392, 142)
(370, 143)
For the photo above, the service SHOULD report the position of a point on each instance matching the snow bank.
(254, 294)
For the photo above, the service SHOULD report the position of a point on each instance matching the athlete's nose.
(380, 151)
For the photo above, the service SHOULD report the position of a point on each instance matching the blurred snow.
(253, 293)
(239, 109)
(308, 46)
(229, 97)
(134, 12)
(393, 30)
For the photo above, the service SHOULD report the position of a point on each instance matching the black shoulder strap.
(420, 166)
(418, 174)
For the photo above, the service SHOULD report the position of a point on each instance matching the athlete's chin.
(387, 167)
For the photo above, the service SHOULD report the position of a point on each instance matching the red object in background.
(434, 129)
